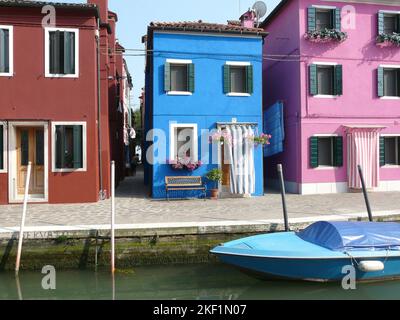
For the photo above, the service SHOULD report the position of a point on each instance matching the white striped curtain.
(240, 155)
(363, 150)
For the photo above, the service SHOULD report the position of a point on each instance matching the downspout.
(101, 192)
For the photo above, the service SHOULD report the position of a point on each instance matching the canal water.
(213, 281)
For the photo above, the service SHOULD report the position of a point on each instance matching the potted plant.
(326, 35)
(215, 175)
(388, 40)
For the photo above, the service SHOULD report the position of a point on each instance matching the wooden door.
(30, 147)
(226, 169)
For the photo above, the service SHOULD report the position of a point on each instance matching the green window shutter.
(313, 80)
(312, 22)
(338, 84)
(249, 79)
(227, 79)
(381, 83)
(381, 23)
(167, 77)
(77, 147)
(338, 152)
(398, 23)
(1, 148)
(314, 152)
(55, 38)
(69, 52)
(382, 160)
(338, 19)
(191, 77)
(60, 146)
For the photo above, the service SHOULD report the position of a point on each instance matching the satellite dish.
(260, 9)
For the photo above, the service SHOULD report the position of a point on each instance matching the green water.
(183, 282)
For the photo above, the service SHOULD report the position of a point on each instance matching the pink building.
(335, 66)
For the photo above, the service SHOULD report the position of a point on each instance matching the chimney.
(103, 8)
(248, 19)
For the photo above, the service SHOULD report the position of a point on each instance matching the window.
(6, 51)
(326, 151)
(326, 80)
(388, 22)
(183, 141)
(2, 147)
(179, 77)
(390, 150)
(69, 146)
(321, 18)
(238, 78)
(389, 82)
(62, 54)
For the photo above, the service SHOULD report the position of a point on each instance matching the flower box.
(326, 35)
(185, 163)
(388, 40)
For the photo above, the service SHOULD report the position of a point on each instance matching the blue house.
(204, 81)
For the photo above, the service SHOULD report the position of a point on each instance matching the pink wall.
(359, 103)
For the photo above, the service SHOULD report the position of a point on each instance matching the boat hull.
(320, 270)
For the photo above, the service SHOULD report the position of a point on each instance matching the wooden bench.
(184, 183)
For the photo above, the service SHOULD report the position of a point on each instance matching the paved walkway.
(133, 208)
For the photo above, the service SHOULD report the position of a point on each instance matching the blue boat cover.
(347, 236)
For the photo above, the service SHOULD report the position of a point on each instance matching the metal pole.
(21, 229)
(112, 216)
(283, 194)
(360, 172)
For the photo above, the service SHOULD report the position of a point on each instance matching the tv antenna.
(260, 9)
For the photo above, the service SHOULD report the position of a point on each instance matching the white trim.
(238, 94)
(390, 66)
(389, 11)
(195, 145)
(325, 63)
(388, 185)
(12, 163)
(5, 147)
(325, 135)
(10, 73)
(238, 63)
(179, 93)
(324, 7)
(389, 98)
(323, 188)
(179, 61)
(390, 134)
(47, 53)
(325, 96)
(53, 145)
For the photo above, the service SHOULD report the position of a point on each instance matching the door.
(226, 170)
(30, 147)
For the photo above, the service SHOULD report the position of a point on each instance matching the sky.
(135, 15)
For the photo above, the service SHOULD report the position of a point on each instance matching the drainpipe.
(101, 192)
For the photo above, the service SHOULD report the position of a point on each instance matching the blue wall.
(208, 104)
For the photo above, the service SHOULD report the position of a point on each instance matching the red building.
(60, 101)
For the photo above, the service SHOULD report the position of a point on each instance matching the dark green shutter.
(382, 160)
(1, 149)
(249, 79)
(314, 152)
(398, 23)
(312, 22)
(338, 19)
(69, 52)
(227, 79)
(381, 82)
(313, 80)
(61, 143)
(77, 148)
(338, 152)
(338, 84)
(381, 23)
(167, 77)
(191, 77)
(55, 67)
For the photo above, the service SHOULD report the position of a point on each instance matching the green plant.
(61, 239)
(326, 35)
(215, 175)
(393, 38)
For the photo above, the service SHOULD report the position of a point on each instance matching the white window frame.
(84, 145)
(179, 61)
(47, 53)
(10, 52)
(172, 139)
(389, 66)
(326, 135)
(325, 96)
(5, 147)
(238, 64)
(393, 135)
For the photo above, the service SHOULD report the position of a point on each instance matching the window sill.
(179, 93)
(389, 98)
(326, 168)
(325, 96)
(6, 75)
(3, 171)
(68, 170)
(391, 166)
(238, 94)
(73, 76)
